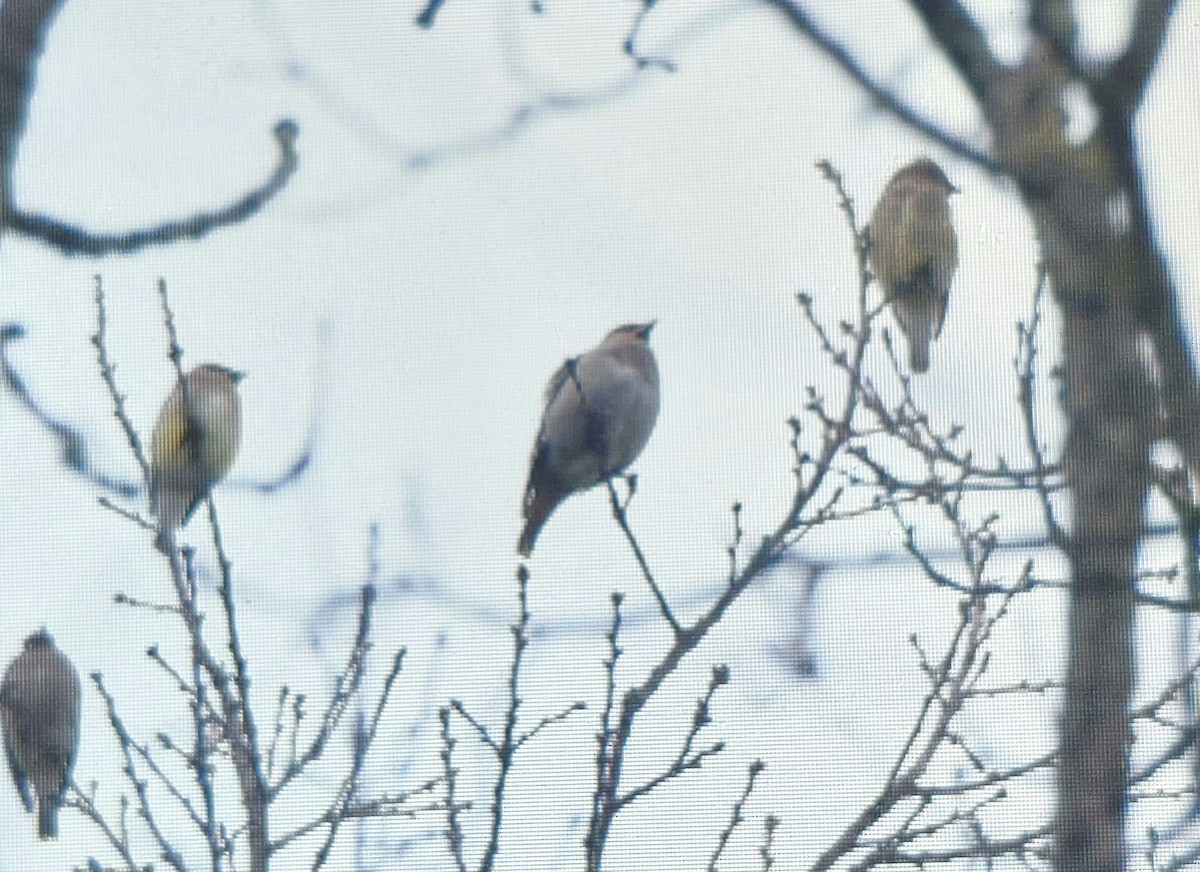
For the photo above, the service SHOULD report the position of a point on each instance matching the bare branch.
(964, 42)
(426, 17)
(73, 240)
(1125, 82)
(619, 512)
(804, 24)
(736, 817)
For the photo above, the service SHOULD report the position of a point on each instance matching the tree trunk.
(1107, 471)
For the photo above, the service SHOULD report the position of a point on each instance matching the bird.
(194, 444)
(39, 713)
(600, 409)
(914, 252)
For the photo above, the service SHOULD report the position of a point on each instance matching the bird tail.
(167, 503)
(537, 509)
(165, 540)
(918, 319)
(173, 506)
(47, 817)
(918, 354)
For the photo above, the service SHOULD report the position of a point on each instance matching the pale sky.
(417, 311)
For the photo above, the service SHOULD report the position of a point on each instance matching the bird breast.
(624, 385)
(603, 430)
(217, 412)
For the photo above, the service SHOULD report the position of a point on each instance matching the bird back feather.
(39, 700)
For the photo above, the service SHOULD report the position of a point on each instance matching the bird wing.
(893, 255)
(173, 446)
(923, 251)
(570, 433)
(945, 274)
(175, 449)
(593, 430)
(560, 378)
(932, 277)
(18, 774)
(65, 735)
(539, 462)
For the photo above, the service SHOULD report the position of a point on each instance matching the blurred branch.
(73, 240)
(1126, 80)
(1054, 21)
(24, 24)
(844, 60)
(964, 43)
(630, 46)
(428, 14)
(546, 103)
(73, 442)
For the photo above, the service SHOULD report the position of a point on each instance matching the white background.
(413, 287)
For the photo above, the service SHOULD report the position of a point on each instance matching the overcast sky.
(412, 289)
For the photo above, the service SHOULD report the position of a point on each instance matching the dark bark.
(1107, 470)
(1088, 202)
(1074, 194)
(23, 26)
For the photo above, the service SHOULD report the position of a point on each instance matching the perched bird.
(600, 409)
(39, 711)
(194, 443)
(914, 253)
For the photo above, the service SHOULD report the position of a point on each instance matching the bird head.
(216, 371)
(40, 639)
(926, 170)
(639, 331)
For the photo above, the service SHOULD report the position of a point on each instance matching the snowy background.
(410, 291)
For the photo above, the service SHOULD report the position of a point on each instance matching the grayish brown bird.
(914, 253)
(194, 443)
(600, 410)
(39, 711)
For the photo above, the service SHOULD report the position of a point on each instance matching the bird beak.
(643, 332)
(237, 376)
(954, 190)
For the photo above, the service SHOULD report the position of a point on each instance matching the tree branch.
(1125, 82)
(964, 43)
(72, 240)
(804, 24)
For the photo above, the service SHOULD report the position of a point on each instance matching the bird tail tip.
(529, 537)
(537, 510)
(47, 819)
(165, 540)
(918, 357)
